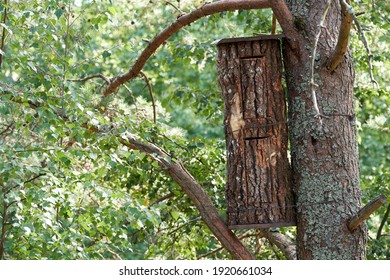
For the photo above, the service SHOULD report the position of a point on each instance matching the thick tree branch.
(196, 193)
(286, 21)
(343, 39)
(156, 42)
(365, 212)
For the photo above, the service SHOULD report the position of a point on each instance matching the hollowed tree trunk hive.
(258, 190)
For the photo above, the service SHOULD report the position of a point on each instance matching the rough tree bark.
(258, 190)
(323, 148)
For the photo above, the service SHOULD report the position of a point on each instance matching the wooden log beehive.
(258, 190)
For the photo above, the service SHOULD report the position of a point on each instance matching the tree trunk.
(323, 149)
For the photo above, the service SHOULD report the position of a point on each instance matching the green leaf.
(59, 13)
(175, 215)
(106, 54)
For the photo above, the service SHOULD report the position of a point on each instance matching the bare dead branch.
(343, 39)
(198, 196)
(161, 38)
(151, 95)
(313, 85)
(365, 212)
(82, 80)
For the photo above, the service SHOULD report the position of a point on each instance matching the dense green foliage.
(70, 190)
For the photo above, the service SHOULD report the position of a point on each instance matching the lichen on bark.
(324, 154)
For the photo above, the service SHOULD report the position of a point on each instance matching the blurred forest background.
(71, 192)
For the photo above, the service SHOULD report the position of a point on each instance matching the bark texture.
(323, 150)
(258, 190)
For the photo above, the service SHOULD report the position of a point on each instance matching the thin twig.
(146, 79)
(312, 83)
(82, 80)
(161, 199)
(115, 255)
(174, 6)
(364, 40)
(132, 96)
(34, 178)
(2, 47)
